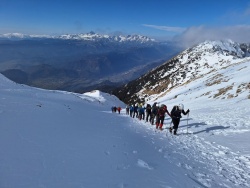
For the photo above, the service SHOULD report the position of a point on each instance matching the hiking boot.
(170, 129)
(175, 133)
(157, 125)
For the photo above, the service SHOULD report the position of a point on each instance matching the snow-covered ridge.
(91, 36)
(207, 58)
(228, 46)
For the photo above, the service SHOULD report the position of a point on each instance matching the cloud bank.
(195, 35)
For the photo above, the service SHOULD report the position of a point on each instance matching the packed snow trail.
(58, 139)
(207, 163)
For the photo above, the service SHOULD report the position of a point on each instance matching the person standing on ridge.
(176, 116)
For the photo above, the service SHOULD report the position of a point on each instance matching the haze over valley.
(80, 62)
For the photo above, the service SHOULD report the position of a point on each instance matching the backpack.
(154, 110)
(148, 108)
(175, 112)
(161, 111)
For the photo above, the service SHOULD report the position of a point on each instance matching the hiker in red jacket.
(119, 109)
(161, 115)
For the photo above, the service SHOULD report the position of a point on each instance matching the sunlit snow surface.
(55, 139)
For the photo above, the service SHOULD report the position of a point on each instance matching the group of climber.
(114, 109)
(157, 113)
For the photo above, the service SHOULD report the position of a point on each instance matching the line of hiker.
(156, 114)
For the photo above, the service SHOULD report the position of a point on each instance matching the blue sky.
(155, 18)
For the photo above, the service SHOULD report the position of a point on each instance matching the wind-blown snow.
(57, 139)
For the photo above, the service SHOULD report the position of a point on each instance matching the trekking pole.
(169, 127)
(187, 121)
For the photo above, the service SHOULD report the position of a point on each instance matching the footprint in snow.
(143, 164)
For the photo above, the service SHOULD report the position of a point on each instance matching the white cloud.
(165, 28)
(195, 35)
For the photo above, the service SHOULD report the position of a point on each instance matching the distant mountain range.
(80, 62)
(193, 65)
(91, 36)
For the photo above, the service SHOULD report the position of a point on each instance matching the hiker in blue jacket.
(141, 110)
(131, 110)
(135, 111)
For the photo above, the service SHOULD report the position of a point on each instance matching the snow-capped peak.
(87, 36)
(223, 46)
(91, 36)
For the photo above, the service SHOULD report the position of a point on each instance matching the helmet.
(181, 106)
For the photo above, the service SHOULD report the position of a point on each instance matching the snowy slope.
(189, 66)
(57, 139)
(197, 62)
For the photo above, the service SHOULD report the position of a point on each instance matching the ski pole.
(187, 121)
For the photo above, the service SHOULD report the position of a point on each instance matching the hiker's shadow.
(207, 130)
(201, 124)
(193, 124)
